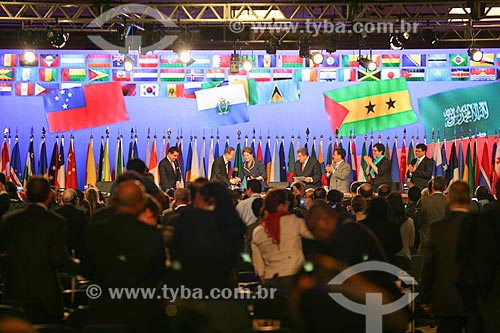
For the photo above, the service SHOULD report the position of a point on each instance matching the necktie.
(227, 168)
(303, 165)
(416, 164)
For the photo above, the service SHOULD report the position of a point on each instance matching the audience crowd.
(57, 245)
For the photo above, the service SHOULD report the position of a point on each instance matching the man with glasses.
(420, 168)
(379, 167)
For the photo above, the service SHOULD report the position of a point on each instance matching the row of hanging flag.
(458, 159)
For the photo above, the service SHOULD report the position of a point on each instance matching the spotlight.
(185, 57)
(398, 41)
(304, 48)
(475, 54)
(429, 36)
(128, 64)
(29, 56)
(367, 64)
(234, 63)
(271, 46)
(317, 58)
(56, 37)
(246, 64)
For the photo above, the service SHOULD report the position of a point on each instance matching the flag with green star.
(374, 106)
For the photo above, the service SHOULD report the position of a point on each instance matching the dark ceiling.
(207, 25)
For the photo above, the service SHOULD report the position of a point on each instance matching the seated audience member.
(353, 190)
(15, 201)
(358, 207)
(207, 241)
(139, 166)
(406, 228)
(182, 200)
(366, 191)
(383, 191)
(76, 221)
(482, 197)
(257, 211)
(33, 251)
(336, 200)
(411, 206)
(386, 230)
(298, 188)
(495, 204)
(92, 197)
(126, 253)
(276, 242)
(319, 193)
(244, 207)
(151, 213)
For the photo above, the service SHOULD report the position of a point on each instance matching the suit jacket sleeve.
(163, 175)
(219, 171)
(316, 172)
(261, 171)
(344, 171)
(384, 167)
(424, 169)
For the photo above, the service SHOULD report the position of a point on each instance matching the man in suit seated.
(420, 168)
(221, 168)
(170, 174)
(308, 168)
(338, 173)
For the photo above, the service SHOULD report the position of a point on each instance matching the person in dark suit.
(308, 167)
(443, 261)
(252, 168)
(33, 251)
(379, 168)
(170, 174)
(420, 168)
(126, 253)
(221, 168)
(77, 220)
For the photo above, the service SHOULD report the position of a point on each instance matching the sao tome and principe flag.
(373, 106)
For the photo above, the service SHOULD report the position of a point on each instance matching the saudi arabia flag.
(374, 106)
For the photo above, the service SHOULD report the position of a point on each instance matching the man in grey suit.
(431, 210)
(338, 173)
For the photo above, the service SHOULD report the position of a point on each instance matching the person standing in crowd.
(444, 254)
(254, 169)
(244, 207)
(420, 168)
(276, 242)
(308, 168)
(33, 252)
(338, 174)
(398, 216)
(170, 174)
(379, 168)
(221, 168)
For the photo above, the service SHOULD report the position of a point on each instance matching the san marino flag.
(222, 106)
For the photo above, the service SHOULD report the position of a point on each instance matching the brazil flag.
(374, 106)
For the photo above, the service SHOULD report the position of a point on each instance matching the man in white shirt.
(244, 207)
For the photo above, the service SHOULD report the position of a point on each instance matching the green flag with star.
(374, 106)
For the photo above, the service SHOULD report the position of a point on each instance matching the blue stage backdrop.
(22, 87)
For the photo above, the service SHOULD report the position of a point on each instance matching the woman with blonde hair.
(94, 202)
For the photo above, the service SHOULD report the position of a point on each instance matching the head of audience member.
(38, 190)
(413, 194)
(298, 188)
(11, 189)
(482, 193)
(322, 221)
(439, 184)
(420, 150)
(173, 154)
(425, 193)
(194, 187)
(137, 165)
(459, 195)
(319, 193)
(247, 154)
(129, 197)
(358, 204)
(253, 187)
(181, 197)
(335, 197)
(257, 207)
(150, 176)
(383, 190)
(229, 153)
(92, 196)
(276, 201)
(366, 191)
(3, 179)
(70, 197)
(214, 196)
(354, 187)
(376, 212)
(152, 211)
(430, 186)
(396, 208)
(378, 150)
(338, 154)
(302, 154)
